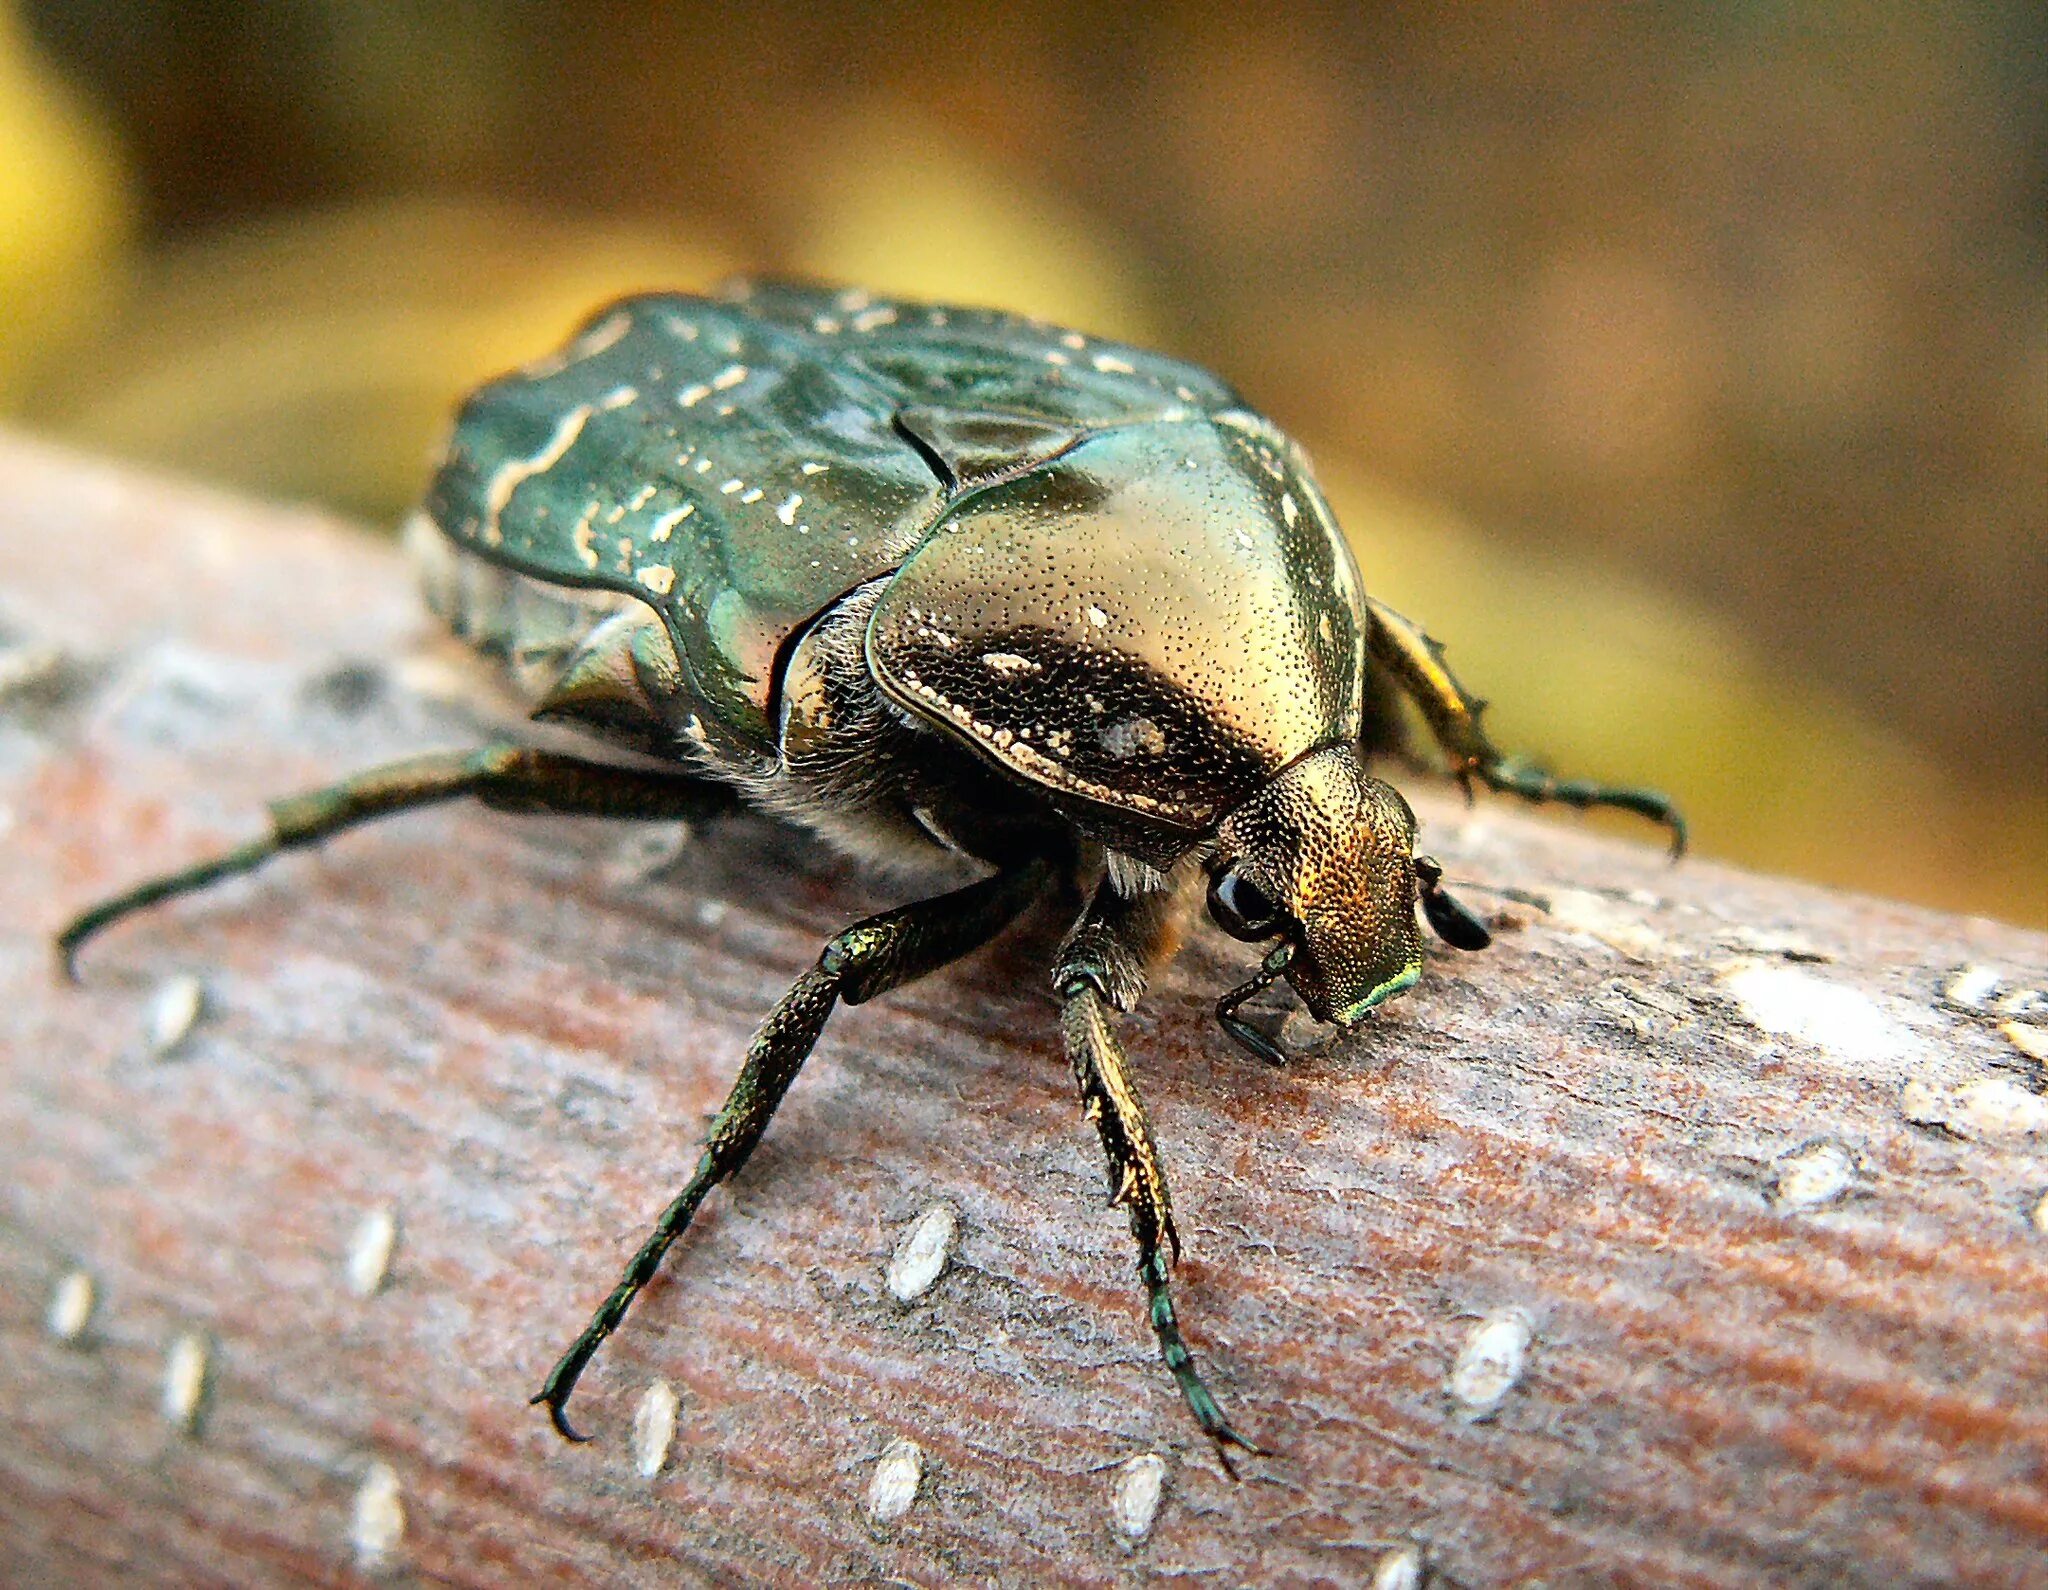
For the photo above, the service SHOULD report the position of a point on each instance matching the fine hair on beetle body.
(990, 604)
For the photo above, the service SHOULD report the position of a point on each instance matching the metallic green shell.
(740, 463)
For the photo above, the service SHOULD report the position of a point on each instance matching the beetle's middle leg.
(1099, 974)
(1401, 647)
(869, 958)
(504, 775)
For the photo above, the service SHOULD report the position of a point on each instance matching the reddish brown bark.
(485, 1025)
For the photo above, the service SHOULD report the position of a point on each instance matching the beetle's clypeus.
(943, 583)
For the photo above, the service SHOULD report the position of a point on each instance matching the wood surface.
(1766, 1202)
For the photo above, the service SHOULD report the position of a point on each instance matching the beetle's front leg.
(869, 958)
(1100, 973)
(1416, 662)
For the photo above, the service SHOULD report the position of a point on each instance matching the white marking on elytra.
(1288, 510)
(825, 325)
(377, 1521)
(185, 1371)
(370, 1247)
(511, 476)
(1097, 616)
(654, 1428)
(1398, 1569)
(874, 319)
(616, 514)
(815, 469)
(1008, 663)
(1110, 364)
(731, 486)
(854, 298)
(174, 1010)
(1054, 356)
(703, 466)
(619, 397)
(1134, 1504)
(1074, 340)
(583, 537)
(2040, 1215)
(665, 526)
(1491, 1363)
(71, 1305)
(920, 1258)
(1812, 1175)
(641, 498)
(755, 494)
(691, 396)
(893, 1486)
(728, 378)
(786, 510)
(658, 578)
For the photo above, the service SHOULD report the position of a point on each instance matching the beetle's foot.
(1532, 783)
(243, 858)
(555, 1398)
(1180, 1363)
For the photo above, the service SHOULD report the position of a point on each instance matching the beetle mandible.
(942, 583)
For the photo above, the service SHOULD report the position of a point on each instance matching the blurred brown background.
(1685, 366)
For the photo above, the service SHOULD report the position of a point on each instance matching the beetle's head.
(1322, 860)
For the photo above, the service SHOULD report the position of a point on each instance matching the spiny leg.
(1101, 972)
(1401, 647)
(869, 958)
(503, 775)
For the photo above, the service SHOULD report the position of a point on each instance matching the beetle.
(945, 585)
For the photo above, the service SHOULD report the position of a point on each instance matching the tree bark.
(1752, 1179)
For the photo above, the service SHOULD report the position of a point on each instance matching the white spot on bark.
(377, 1524)
(920, 1258)
(1491, 1363)
(2040, 1214)
(370, 1248)
(71, 1306)
(1987, 1107)
(654, 1428)
(1596, 916)
(1971, 987)
(1844, 1021)
(1399, 1569)
(174, 1010)
(893, 1487)
(185, 1369)
(1813, 1175)
(1140, 1485)
(2031, 1041)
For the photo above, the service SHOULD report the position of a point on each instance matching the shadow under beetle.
(941, 581)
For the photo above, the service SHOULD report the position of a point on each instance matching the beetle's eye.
(1240, 907)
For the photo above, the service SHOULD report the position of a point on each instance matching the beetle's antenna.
(1246, 1034)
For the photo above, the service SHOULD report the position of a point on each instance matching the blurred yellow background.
(1685, 367)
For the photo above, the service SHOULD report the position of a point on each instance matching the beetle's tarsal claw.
(558, 1414)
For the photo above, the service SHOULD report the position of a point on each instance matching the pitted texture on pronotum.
(1331, 846)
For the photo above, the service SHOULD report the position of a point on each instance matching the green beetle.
(951, 587)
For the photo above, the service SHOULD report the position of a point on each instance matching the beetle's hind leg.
(508, 776)
(1400, 646)
(1099, 974)
(869, 958)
